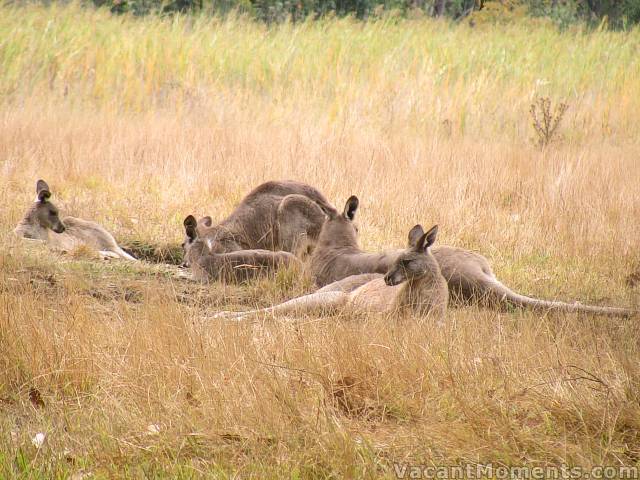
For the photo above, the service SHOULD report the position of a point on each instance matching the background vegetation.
(614, 13)
(137, 122)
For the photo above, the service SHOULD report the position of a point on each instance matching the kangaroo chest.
(375, 296)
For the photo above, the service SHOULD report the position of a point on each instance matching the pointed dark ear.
(414, 235)
(206, 221)
(42, 190)
(426, 240)
(191, 227)
(350, 207)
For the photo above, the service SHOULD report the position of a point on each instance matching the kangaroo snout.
(59, 227)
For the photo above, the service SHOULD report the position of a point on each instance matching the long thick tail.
(324, 301)
(503, 294)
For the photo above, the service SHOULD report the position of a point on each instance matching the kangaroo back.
(284, 215)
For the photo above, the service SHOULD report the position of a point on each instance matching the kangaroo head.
(43, 213)
(194, 245)
(206, 235)
(338, 230)
(416, 261)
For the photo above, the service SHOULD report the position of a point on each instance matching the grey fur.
(42, 222)
(237, 266)
(469, 276)
(276, 215)
(413, 285)
(337, 254)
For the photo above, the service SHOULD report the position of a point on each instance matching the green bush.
(612, 13)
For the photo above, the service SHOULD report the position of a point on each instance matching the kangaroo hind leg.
(323, 302)
(121, 253)
(299, 222)
(349, 284)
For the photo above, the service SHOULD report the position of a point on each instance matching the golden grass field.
(136, 123)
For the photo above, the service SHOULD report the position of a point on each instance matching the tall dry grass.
(138, 122)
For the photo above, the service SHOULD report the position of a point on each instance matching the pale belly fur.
(375, 296)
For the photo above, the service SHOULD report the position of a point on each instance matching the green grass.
(138, 64)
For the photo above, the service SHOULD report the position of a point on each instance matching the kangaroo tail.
(499, 292)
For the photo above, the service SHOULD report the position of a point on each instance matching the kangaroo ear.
(42, 190)
(414, 235)
(191, 227)
(426, 240)
(351, 207)
(206, 221)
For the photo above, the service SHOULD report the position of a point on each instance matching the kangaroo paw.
(108, 255)
(181, 274)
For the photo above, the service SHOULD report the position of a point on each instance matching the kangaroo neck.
(338, 234)
(199, 250)
(338, 242)
(416, 293)
(30, 228)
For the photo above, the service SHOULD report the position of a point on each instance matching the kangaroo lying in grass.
(42, 222)
(274, 216)
(237, 266)
(413, 284)
(469, 276)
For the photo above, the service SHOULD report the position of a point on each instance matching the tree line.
(617, 14)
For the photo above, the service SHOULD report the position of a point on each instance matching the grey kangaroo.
(237, 266)
(42, 222)
(276, 215)
(413, 284)
(469, 276)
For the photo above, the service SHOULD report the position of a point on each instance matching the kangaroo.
(337, 254)
(42, 222)
(469, 276)
(413, 284)
(238, 266)
(276, 215)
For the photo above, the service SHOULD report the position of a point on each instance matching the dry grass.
(144, 122)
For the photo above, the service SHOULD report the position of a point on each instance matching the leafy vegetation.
(615, 13)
